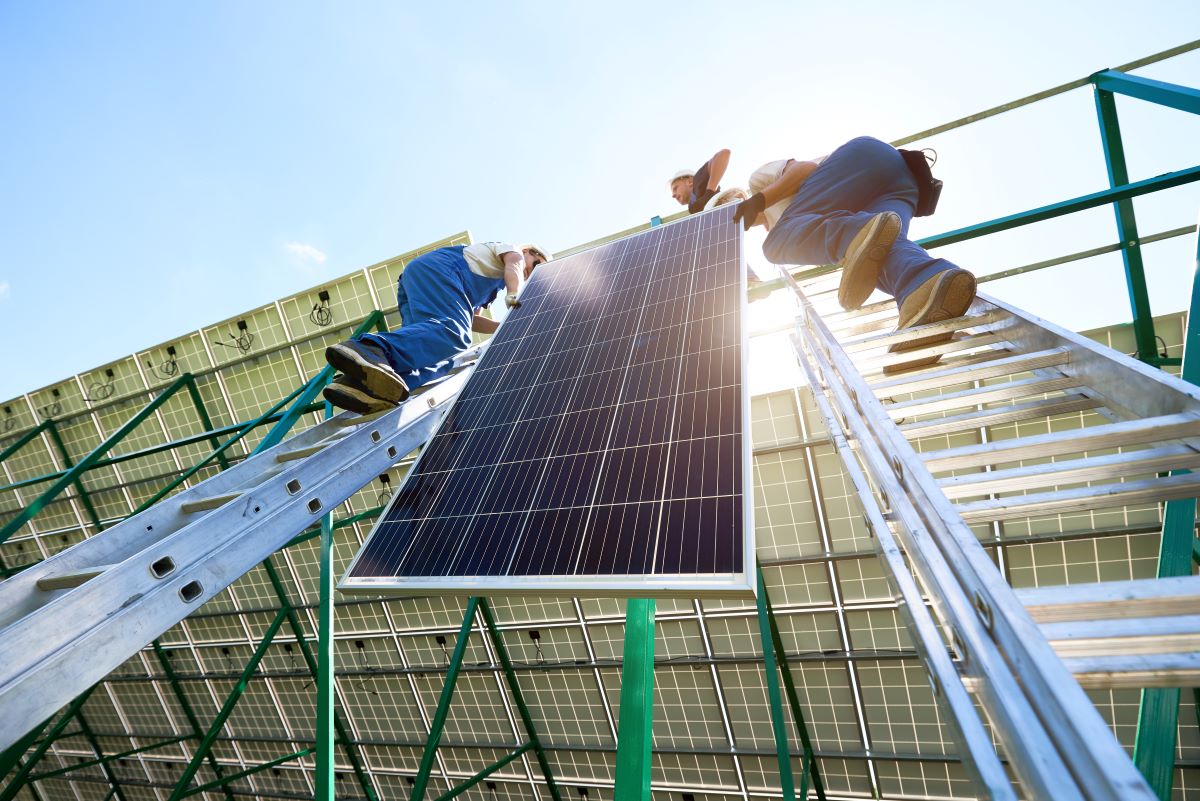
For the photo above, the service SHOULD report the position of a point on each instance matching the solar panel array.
(600, 439)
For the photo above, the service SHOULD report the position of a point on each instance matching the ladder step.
(1082, 499)
(1008, 365)
(352, 419)
(1010, 390)
(65, 581)
(213, 502)
(922, 331)
(1136, 671)
(1179, 595)
(876, 362)
(1109, 435)
(1074, 471)
(1124, 636)
(1047, 407)
(301, 453)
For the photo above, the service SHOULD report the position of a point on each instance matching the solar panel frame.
(740, 582)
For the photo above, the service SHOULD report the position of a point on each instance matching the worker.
(853, 208)
(695, 189)
(440, 295)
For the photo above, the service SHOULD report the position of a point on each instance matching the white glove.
(510, 301)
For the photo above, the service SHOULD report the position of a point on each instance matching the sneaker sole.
(864, 258)
(950, 298)
(380, 382)
(354, 400)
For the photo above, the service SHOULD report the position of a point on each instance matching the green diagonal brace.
(18, 781)
(110, 758)
(186, 705)
(443, 708)
(224, 783)
(104, 766)
(60, 446)
(85, 464)
(778, 724)
(202, 750)
(205, 421)
(1158, 715)
(636, 721)
(1131, 253)
(459, 789)
(810, 756)
(518, 699)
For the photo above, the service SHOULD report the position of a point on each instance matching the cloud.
(305, 252)
(5, 290)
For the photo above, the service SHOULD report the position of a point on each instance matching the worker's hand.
(510, 301)
(749, 209)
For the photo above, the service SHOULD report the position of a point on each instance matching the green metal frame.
(636, 719)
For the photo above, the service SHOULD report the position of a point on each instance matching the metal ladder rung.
(1074, 471)
(1109, 435)
(213, 502)
(1124, 636)
(1136, 671)
(301, 453)
(853, 326)
(352, 419)
(922, 331)
(1178, 595)
(838, 317)
(872, 365)
(969, 421)
(1081, 499)
(1010, 390)
(65, 581)
(1007, 365)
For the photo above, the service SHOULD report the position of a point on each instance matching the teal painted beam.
(110, 758)
(636, 721)
(325, 773)
(241, 774)
(205, 421)
(483, 774)
(164, 662)
(778, 725)
(1182, 98)
(85, 499)
(18, 781)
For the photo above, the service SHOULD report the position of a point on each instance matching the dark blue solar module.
(598, 448)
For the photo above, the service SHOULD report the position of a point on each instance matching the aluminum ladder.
(70, 620)
(1111, 430)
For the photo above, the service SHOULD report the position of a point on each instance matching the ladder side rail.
(1133, 387)
(1034, 756)
(1093, 755)
(979, 755)
(39, 656)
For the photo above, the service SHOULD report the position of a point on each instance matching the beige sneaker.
(343, 394)
(943, 297)
(866, 254)
(366, 366)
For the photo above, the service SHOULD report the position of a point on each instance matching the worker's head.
(681, 186)
(534, 256)
(760, 179)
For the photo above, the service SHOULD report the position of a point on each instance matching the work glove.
(748, 210)
(511, 302)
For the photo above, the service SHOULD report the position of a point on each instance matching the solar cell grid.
(598, 444)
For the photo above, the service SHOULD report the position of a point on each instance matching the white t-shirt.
(766, 175)
(487, 258)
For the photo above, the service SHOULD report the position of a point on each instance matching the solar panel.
(598, 447)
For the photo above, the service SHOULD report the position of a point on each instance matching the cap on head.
(538, 252)
(678, 175)
(764, 176)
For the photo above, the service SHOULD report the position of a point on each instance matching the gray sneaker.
(865, 256)
(366, 366)
(345, 395)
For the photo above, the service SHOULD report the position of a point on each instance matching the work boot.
(366, 367)
(943, 297)
(864, 258)
(343, 394)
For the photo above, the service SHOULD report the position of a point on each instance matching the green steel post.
(85, 464)
(241, 774)
(186, 706)
(1158, 716)
(1135, 273)
(60, 446)
(205, 421)
(311, 662)
(235, 694)
(1182, 98)
(18, 780)
(104, 766)
(109, 795)
(634, 735)
(483, 774)
(789, 685)
(518, 699)
(778, 725)
(37, 777)
(443, 707)
(325, 662)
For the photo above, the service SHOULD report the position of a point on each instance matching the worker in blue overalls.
(440, 295)
(853, 208)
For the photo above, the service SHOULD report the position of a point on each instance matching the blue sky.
(167, 165)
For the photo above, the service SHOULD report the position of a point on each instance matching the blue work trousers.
(859, 180)
(438, 295)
